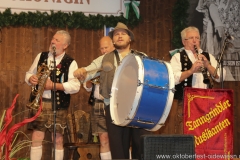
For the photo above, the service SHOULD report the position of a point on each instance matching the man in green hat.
(119, 136)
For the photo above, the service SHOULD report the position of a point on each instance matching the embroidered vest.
(62, 100)
(186, 65)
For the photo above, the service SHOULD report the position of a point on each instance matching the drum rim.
(139, 89)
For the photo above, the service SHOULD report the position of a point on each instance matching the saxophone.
(43, 73)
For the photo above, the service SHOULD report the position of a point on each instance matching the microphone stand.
(221, 74)
(54, 102)
(220, 62)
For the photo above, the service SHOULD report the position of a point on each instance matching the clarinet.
(206, 80)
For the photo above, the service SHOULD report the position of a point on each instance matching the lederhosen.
(98, 109)
(98, 120)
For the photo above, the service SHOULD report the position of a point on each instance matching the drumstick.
(106, 67)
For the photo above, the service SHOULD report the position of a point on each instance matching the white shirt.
(197, 81)
(70, 87)
(96, 93)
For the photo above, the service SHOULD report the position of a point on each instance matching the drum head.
(125, 92)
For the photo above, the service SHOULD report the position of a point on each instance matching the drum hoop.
(138, 94)
(135, 104)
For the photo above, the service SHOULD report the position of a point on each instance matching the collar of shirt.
(58, 59)
(120, 55)
(50, 55)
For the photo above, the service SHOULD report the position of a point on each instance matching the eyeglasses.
(191, 38)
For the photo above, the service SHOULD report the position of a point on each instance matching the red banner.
(208, 115)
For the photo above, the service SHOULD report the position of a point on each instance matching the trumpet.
(43, 73)
(206, 80)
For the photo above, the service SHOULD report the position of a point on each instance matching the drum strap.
(117, 57)
(138, 53)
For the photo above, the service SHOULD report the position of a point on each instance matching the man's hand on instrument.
(81, 74)
(33, 80)
(49, 85)
(196, 67)
(89, 84)
(205, 61)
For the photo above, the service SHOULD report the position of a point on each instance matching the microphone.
(54, 48)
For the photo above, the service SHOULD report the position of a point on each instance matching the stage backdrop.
(219, 21)
(208, 115)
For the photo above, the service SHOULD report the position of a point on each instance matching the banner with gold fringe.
(208, 115)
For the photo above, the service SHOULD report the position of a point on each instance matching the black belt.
(46, 100)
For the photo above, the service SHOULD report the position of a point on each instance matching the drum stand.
(54, 104)
(79, 133)
(72, 147)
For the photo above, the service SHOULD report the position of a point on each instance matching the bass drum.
(142, 93)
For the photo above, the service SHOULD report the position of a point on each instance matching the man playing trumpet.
(64, 85)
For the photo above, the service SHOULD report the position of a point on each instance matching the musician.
(65, 85)
(98, 119)
(119, 137)
(188, 67)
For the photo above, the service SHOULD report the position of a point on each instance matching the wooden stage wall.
(20, 45)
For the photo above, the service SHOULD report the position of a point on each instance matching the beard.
(122, 46)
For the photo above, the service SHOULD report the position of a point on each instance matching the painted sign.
(103, 7)
(208, 115)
